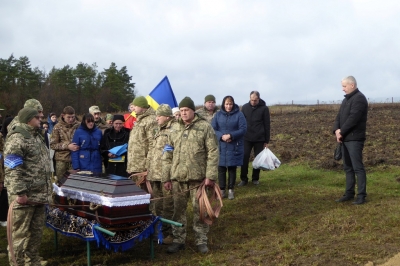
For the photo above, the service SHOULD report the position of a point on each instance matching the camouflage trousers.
(180, 212)
(27, 230)
(163, 207)
(61, 168)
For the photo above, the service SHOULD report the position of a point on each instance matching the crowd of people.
(175, 149)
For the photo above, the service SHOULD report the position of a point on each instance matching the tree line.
(80, 87)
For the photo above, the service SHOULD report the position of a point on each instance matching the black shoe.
(359, 201)
(242, 183)
(175, 247)
(202, 248)
(345, 198)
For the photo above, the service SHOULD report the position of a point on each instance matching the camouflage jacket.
(195, 152)
(203, 112)
(102, 125)
(32, 176)
(140, 141)
(1, 159)
(15, 122)
(61, 137)
(160, 139)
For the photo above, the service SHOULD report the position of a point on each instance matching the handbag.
(337, 155)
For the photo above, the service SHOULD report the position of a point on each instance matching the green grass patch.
(291, 218)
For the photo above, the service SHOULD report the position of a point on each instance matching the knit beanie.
(33, 103)
(140, 102)
(164, 110)
(26, 114)
(118, 117)
(187, 102)
(209, 98)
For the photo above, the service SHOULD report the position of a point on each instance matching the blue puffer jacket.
(88, 157)
(234, 123)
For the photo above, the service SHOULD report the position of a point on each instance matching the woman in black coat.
(117, 135)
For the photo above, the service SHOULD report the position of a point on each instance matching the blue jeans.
(353, 166)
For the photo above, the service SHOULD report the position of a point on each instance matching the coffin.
(109, 199)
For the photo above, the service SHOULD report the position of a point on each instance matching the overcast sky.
(287, 50)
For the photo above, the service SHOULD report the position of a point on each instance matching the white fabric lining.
(98, 199)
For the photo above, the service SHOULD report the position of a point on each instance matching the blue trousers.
(353, 166)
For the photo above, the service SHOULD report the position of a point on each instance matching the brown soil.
(306, 135)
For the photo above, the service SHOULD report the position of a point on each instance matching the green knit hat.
(33, 103)
(26, 114)
(164, 110)
(209, 98)
(140, 102)
(187, 102)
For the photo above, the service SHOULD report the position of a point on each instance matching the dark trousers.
(3, 205)
(248, 146)
(222, 176)
(353, 166)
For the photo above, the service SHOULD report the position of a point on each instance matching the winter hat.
(26, 114)
(140, 102)
(33, 103)
(187, 102)
(164, 110)
(174, 110)
(94, 109)
(109, 117)
(118, 117)
(209, 98)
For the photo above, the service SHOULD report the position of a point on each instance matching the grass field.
(291, 218)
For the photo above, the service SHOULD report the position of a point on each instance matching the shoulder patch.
(13, 160)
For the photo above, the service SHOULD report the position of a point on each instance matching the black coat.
(352, 117)
(258, 122)
(110, 140)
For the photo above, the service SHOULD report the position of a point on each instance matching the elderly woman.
(115, 136)
(88, 138)
(230, 126)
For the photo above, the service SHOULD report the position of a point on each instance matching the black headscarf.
(87, 117)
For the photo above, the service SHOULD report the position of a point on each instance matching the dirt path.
(394, 261)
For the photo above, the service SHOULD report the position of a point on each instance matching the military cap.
(94, 109)
(33, 103)
(164, 110)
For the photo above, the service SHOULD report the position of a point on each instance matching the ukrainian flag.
(162, 93)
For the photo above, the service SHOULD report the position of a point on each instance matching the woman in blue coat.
(88, 138)
(230, 126)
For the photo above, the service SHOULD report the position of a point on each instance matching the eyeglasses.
(89, 121)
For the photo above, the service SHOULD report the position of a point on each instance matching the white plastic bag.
(266, 160)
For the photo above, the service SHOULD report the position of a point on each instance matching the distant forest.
(80, 87)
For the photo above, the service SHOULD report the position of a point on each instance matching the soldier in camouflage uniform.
(27, 177)
(33, 103)
(98, 121)
(209, 109)
(141, 137)
(61, 141)
(163, 207)
(190, 157)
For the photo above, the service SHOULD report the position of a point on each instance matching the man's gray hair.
(256, 93)
(351, 80)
